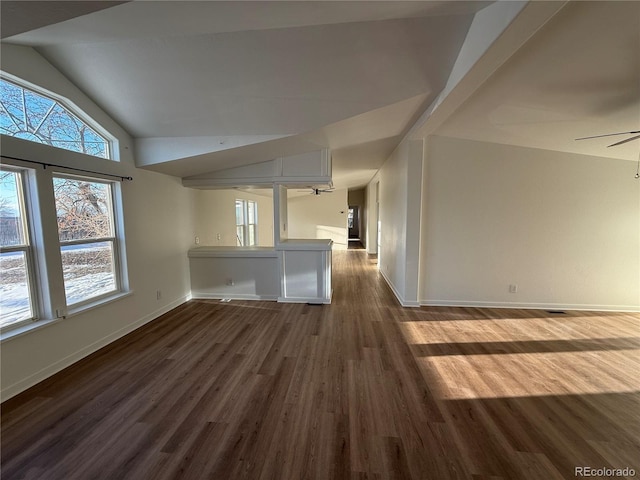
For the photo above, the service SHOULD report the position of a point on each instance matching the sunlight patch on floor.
(519, 375)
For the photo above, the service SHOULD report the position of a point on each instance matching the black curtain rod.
(45, 165)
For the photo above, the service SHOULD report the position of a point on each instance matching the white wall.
(372, 215)
(229, 275)
(158, 227)
(400, 209)
(319, 216)
(393, 218)
(565, 228)
(215, 213)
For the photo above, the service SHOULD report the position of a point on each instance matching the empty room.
(320, 240)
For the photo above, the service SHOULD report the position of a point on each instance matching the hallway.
(361, 388)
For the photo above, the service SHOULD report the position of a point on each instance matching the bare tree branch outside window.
(83, 209)
(28, 115)
(86, 231)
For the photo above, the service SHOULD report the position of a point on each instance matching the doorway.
(354, 227)
(353, 219)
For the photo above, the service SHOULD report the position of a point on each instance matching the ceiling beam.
(518, 32)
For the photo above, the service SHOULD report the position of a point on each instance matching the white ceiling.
(285, 77)
(345, 75)
(18, 16)
(261, 82)
(579, 76)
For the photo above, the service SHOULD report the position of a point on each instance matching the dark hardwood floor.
(360, 389)
(355, 244)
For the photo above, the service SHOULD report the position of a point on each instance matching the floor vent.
(557, 312)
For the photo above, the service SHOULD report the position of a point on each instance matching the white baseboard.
(313, 300)
(399, 297)
(536, 306)
(238, 296)
(521, 305)
(31, 380)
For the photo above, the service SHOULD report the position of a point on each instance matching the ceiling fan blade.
(609, 135)
(623, 141)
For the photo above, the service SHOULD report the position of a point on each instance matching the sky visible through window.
(28, 115)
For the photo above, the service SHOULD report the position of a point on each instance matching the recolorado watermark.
(604, 472)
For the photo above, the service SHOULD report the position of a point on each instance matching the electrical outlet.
(197, 240)
(230, 282)
(513, 288)
(218, 236)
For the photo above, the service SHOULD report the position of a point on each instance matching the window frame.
(27, 248)
(111, 143)
(114, 239)
(45, 268)
(244, 241)
(240, 227)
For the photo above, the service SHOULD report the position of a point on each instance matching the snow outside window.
(16, 279)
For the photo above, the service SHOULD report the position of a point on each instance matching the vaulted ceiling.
(247, 81)
(578, 76)
(208, 85)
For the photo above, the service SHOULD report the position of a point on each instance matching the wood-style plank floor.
(360, 389)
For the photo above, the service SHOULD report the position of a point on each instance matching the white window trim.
(246, 224)
(115, 240)
(26, 248)
(11, 333)
(48, 305)
(46, 281)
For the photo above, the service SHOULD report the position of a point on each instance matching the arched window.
(32, 116)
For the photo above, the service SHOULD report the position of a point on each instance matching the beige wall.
(319, 216)
(215, 213)
(398, 185)
(564, 228)
(158, 228)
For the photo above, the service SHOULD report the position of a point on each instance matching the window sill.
(24, 329)
(38, 324)
(85, 307)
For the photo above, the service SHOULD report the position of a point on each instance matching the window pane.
(38, 108)
(31, 116)
(252, 235)
(240, 235)
(88, 270)
(62, 129)
(15, 302)
(251, 208)
(11, 210)
(83, 208)
(11, 118)
(239, 212)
